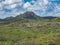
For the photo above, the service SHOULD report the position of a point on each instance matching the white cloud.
(14, 5)
(45, 1)
(33, 1)
(27, 5)
(10, 6)
(12, 1)
(8, 2)
(38, 5)
(1, 7)
(57, 8)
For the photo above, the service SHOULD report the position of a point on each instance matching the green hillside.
(30, 29)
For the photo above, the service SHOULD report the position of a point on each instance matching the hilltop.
(26, 16)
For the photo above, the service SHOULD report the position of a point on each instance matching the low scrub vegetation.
(30, 33)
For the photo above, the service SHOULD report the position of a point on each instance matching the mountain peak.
(27, 16)
(29, 12)
(30, 15)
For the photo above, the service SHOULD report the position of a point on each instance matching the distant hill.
(26, 16)
(49, 17)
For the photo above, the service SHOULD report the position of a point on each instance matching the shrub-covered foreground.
(30, 33)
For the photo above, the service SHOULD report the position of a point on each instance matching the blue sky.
(40, 7)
